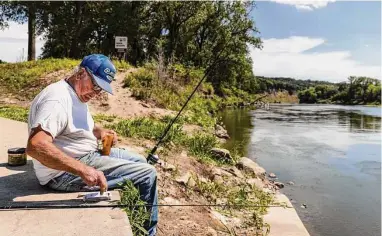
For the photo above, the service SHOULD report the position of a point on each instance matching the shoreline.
(283, 221)
(269, 184)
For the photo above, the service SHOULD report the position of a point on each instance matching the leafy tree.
(308, 96)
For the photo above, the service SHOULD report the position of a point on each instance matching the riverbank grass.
(14, 113)
(136, 211)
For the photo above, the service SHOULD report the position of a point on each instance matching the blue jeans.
(117, 167)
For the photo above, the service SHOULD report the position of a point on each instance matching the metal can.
(107, 142)
(17, 157)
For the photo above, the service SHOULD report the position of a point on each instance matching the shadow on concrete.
(22, 182)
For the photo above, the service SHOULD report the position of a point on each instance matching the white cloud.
(306, 5)
(300, 44)
(288, 58)
(14, 41)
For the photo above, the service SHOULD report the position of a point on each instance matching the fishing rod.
(48, 207)
(152, 158)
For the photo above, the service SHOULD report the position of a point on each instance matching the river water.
(332, 153)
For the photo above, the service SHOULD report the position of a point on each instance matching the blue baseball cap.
(101, 69)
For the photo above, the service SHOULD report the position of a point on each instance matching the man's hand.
(100, 133)
(93, 177)
(104, 132)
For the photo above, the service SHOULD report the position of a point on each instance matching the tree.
(231, 33)
(308, 96)
(68, 36)
(22, 12)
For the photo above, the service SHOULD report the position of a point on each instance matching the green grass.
(147, 128)
(141, 83)
(23, 78)
(241, 197)
(202, 111)
(14, 113)
(121, 65)
(208, 189)
(200, 145)
(137, 213)
(102, 117)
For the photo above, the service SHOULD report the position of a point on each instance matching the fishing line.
(47, 207)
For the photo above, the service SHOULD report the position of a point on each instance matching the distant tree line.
(357, 90)
(274, 84)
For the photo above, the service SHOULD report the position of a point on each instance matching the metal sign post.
(121, 46)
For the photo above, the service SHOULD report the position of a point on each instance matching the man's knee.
(143, 173)
(152, 172)
(129, 155)
(141, 159)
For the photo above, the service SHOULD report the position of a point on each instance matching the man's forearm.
(49, 155)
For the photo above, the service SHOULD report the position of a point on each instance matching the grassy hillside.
(25, 79)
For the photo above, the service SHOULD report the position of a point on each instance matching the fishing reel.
(152, 159)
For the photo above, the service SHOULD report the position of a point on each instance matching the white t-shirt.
(59, 112)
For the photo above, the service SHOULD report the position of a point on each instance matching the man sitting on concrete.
(63, 139)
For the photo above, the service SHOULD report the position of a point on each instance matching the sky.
(14, 41)
(318, 39)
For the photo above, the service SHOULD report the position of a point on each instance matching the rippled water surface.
(332, 154)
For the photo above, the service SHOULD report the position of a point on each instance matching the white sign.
(120, 42)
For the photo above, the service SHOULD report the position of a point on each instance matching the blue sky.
(324, 40)
(317, 39)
